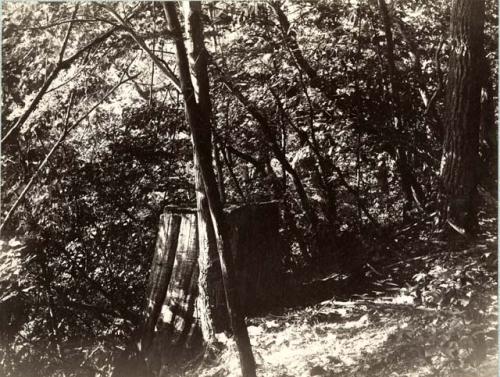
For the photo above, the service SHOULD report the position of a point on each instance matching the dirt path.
(434, 315)
(355, 339)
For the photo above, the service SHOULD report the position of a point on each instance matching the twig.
(374, 270)
(389, 305)
(432, 256)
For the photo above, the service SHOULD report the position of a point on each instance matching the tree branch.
(66, 37)
(61, 65)
(140, 42)
(64, 134)
(270, 140)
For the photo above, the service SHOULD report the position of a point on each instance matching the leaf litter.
(435, 316)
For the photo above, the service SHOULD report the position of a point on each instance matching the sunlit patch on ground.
(435, 316)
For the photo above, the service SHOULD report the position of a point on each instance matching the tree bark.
(488, 131)
(459, 163)
(161, 272)
(200, 127)
(208, 260)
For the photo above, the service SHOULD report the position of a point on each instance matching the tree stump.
(257, 251)
(170, 323)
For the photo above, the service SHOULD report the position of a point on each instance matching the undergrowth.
(430, 313)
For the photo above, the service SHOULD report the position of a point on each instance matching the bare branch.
(66, 21)
(68, 33)
(140, 42)
(63, 64)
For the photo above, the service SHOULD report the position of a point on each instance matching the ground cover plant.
(146, 147)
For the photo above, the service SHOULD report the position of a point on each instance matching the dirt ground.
(434, 314)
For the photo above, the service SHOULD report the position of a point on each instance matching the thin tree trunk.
(459, 164)
(272, 144)
(409, 184)
(162, 65)
(257, 163)
(220, 172)
(208, 263)
(325, 86)
(325, 164)
(200, 127)
(328, 89)
(232, 174)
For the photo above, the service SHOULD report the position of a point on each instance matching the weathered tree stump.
(171, 321)
(257, 252)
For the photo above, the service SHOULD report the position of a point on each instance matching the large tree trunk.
(200, 127)
(459, 164)
(172, 292)
(488, 131)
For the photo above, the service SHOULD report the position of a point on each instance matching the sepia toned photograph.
(275, 188)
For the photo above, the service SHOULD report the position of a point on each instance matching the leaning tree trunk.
(209, 272)
(459, 163)
(200, 126)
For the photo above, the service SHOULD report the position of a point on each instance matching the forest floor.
(431, 314)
